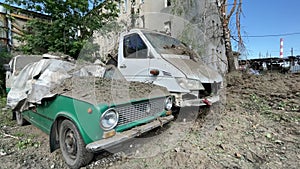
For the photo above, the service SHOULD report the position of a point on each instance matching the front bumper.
(197, 102)
(126, 135)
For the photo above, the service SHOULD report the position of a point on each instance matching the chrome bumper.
(200, 102)
(126, 135)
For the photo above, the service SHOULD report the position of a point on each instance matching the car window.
(134, 47)
(22, 61)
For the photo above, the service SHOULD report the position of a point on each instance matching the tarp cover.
(91, 83)
(38, 79)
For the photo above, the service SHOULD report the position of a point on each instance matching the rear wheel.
(72, 146)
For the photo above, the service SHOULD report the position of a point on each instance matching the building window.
(2, 30)
(167, 27)
(167, 3)
(125, 6)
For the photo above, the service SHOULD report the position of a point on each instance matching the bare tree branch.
(238, 26)
(232, 9)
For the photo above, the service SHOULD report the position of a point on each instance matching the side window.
(12, 65)
(134, 47)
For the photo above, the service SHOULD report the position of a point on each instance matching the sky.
(270, 17)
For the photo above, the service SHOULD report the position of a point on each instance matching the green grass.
(5, 114)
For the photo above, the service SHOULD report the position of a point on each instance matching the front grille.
(210, 88)
(137, 111)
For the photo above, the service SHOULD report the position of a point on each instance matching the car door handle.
(123, 66)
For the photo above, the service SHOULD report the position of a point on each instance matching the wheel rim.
(70, 144)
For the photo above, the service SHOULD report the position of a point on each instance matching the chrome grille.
(137, 111)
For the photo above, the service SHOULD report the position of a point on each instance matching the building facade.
(12, 24)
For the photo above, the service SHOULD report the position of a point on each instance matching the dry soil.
(255, 126)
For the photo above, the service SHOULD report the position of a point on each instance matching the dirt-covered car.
(85, 109)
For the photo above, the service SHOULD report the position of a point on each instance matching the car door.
(134, 62)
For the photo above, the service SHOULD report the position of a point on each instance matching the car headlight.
(190, 84)
(168, 103)
(109, 119)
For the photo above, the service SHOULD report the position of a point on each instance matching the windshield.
(164, 44)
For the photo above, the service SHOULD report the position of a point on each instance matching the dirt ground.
(255, 126)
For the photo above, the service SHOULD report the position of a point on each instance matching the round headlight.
(109, 119)
(168, 103)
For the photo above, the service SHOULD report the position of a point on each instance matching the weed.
(24, 144)
(257, 104)
(282, 105)
(19, 134)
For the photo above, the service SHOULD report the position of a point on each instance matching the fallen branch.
(11, 136)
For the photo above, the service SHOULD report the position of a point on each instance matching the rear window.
(22, 61)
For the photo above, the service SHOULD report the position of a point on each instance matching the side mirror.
(7, 67)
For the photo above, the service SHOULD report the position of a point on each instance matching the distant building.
(12, 22)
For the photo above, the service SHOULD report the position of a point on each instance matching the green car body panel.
(87, 122)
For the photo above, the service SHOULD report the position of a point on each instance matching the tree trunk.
(228, 48)
(225, 18)
(231, 61)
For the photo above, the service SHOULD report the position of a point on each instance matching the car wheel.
(19, 117)
(72, 146)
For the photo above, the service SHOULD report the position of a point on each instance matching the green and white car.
(86, 109)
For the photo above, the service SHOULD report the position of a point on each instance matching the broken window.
(167, 3)
(134, 47)
(167, 27)
(125, 6)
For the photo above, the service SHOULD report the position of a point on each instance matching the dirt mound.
(97, 90)
(277, 90)
(259, 128)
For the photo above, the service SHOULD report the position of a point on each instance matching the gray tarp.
(91, 83)
(38, 79)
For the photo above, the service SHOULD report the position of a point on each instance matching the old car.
(86, 109)
(152, 57)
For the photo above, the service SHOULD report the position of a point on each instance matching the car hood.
(194, 70)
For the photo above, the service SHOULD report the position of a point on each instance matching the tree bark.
(228, 48)
(225, 18)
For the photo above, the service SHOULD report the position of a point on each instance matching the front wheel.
(72, 146)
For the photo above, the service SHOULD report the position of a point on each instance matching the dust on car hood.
(194, 70)
(50, 77)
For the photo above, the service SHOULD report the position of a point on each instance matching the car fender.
(54, 132)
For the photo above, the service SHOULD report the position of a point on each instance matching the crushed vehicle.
(153, 57)
(85, 109)
(15, 65)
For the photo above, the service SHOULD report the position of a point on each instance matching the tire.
(19, 117)
(72, 146)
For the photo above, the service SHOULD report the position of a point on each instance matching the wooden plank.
(20, 16)
(17, 26)
(17, 32)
